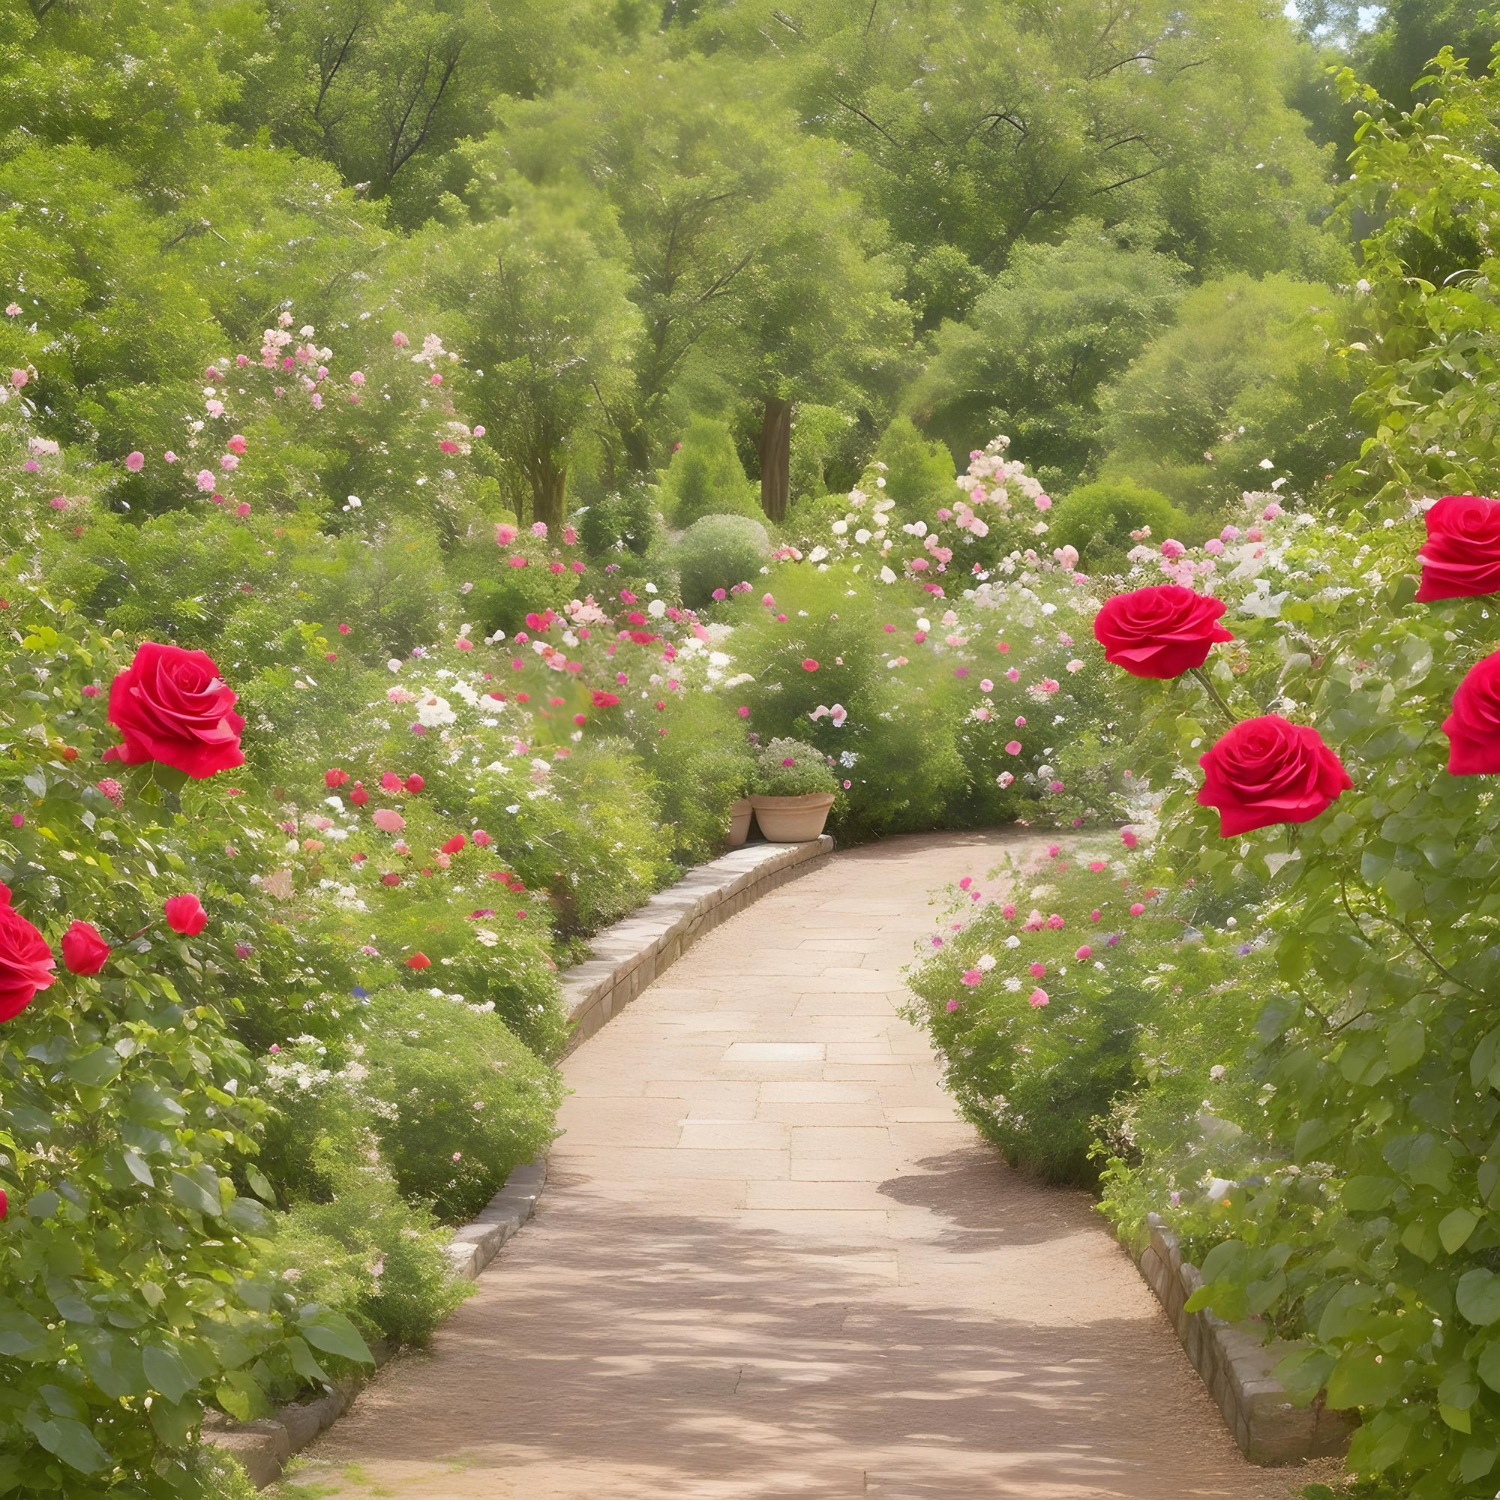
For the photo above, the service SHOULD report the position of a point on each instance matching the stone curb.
(625, 958)
(264, 1447)
(1235, 1365)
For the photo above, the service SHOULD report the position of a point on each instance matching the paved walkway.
(770, 1262)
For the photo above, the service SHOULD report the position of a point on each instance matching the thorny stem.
(1215, 694)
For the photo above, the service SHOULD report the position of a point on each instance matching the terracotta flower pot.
(739, 822)
(792, 820)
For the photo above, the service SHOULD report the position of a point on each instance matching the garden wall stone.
(623, 960)
(1236, 1364)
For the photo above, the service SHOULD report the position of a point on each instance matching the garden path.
(771, 1262)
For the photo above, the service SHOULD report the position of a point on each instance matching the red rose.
(1266, 771)
(185, 914)
(414, 783)
(419, 961)
(84, 951)
(603, 699)
(1462, 553)
(1473, 728)
(334, 777)
(170, 706)
(359, 796)
(26, 962)
(1161, 631)
(455, 844)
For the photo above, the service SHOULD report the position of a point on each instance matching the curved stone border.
(623, 960)
(1236, 1366)
(264, 1447)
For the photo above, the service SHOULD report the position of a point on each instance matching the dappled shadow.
(616, 1351)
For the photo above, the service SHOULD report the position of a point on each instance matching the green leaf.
(70, 1441)
(333, 1333)
(1478, 1297)
(96, 1068)
(138, 1169)
(1488, 1364)
(304, 1362)
(1365, 1194)
(176, 1423)
(1455, 1229)
(1405, 1041)
(165, 1371)
(1363, 1378)
(192, 1194)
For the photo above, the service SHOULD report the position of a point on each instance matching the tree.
(1246, 378)
(1030, 360)
(723, 210)
(980, 126)
(541, 316)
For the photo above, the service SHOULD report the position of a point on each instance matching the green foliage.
(1098, 520)
(918, 474)
(718, 552)
(459, 1101)
(369, 1251)
(133, 1265)
(705, 477)
(1245, 379)
(1042, 342)
(790, 768)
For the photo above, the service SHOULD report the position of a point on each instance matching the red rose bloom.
(419, 961)
(185, 914)
(334, 777)
(1266, 771)
(26, 963)
(455, 844)
(603, 699)
(1473, 728)
(170, 706)
(359, 796)
(1161, 631)
(1461, 556)
(84, 951)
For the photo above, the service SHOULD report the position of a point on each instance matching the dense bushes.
(717, 552)
(1102, 521)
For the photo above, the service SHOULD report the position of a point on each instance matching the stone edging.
(625, 958)
(264, 1447)
(1236, 1366)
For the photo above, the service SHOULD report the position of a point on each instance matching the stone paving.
(771, 1262)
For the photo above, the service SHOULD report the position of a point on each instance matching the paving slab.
(771, 1262)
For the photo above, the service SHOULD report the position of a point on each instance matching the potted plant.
(793, 789)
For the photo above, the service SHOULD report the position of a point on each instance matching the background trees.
(630, 216)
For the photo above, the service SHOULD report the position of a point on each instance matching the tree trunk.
(549, 496)
(775, 457)
(636, 442)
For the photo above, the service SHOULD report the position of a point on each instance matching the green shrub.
(705, 476)
(1247, 375)
(622, 521)
(1036, 1077)
(1097, 519)
(718, 552)
(369, 1251)
(128, 1108)
(459, 1101)
(790, 768)
(918, 474)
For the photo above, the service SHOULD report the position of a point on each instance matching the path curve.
(771, 1262)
